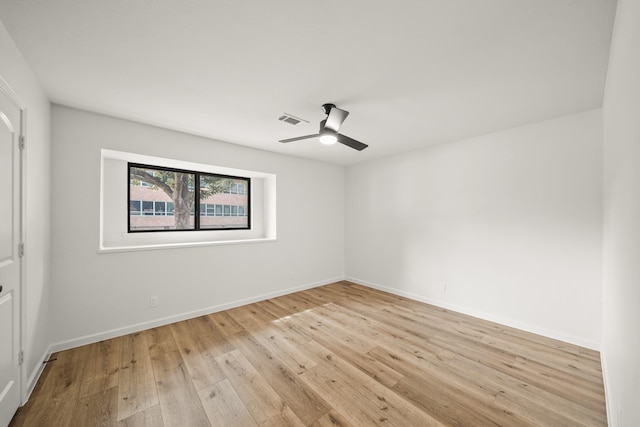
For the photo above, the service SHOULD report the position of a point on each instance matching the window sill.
(132, 248)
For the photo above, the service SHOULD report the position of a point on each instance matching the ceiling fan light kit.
(329, 127)
(327, 137)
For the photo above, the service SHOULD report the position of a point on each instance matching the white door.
(10, 131)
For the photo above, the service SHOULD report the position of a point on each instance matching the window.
(150, 208)
(147, 208)
(160, 208)
(236, 188)
(165, 199)
(134, 207)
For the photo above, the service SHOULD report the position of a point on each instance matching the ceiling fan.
(329, 129)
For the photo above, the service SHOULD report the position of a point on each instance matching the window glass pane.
(223, 197)
(203, 209)
(134, 207)
(156, 187)
(147, 208)
(160, 208)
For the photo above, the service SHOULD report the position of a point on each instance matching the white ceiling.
(411, 73)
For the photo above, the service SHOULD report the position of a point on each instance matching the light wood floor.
(338, 355)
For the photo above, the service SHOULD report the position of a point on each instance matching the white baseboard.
(485, 316)
(35, 374)
(607, 391)
(100, 336)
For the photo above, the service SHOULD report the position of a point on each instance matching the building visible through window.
(163, 199)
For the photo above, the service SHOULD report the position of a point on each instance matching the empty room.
(233, 213)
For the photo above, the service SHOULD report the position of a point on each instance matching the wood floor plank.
(454, 406)
(225, 323)
(441, 392)
(511, 389)
(339, 333)
(251, 317)
(546, 355)
(68, 369)
(343, 396)
(358, 356)
(262, 402)
(55, 402)
(380, 402)
(296, 303)
(179, 401)
(377, 330)
(331, 419)
(531, 373)
(199, 343)
(136, 385)
(99, 409)
(224, 407)
(203, 333)
(277, 311)
(101, 369)
(303, 401)
(150, 417)
(587, 393)
(287, 351)
(439, 389)
(335, 355)
(160, 340)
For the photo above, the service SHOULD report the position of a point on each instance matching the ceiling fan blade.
(350, 142)
(335, 119)
(298, 138)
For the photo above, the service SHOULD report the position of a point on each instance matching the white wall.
(100, 295)
(16, 72)
(621, 296)
(509, 222)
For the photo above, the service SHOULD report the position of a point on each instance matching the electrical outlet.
(443, 286)
(153, 302)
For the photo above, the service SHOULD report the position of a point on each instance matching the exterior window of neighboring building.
(217, 210)
(164, 199)
(236, 188)
(147, 208)
(135, 207)
(150, 208)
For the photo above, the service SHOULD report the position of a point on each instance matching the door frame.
(22, 221)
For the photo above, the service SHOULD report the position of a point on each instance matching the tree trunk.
(182, 202)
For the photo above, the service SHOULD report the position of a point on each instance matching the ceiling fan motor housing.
(327, 108)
